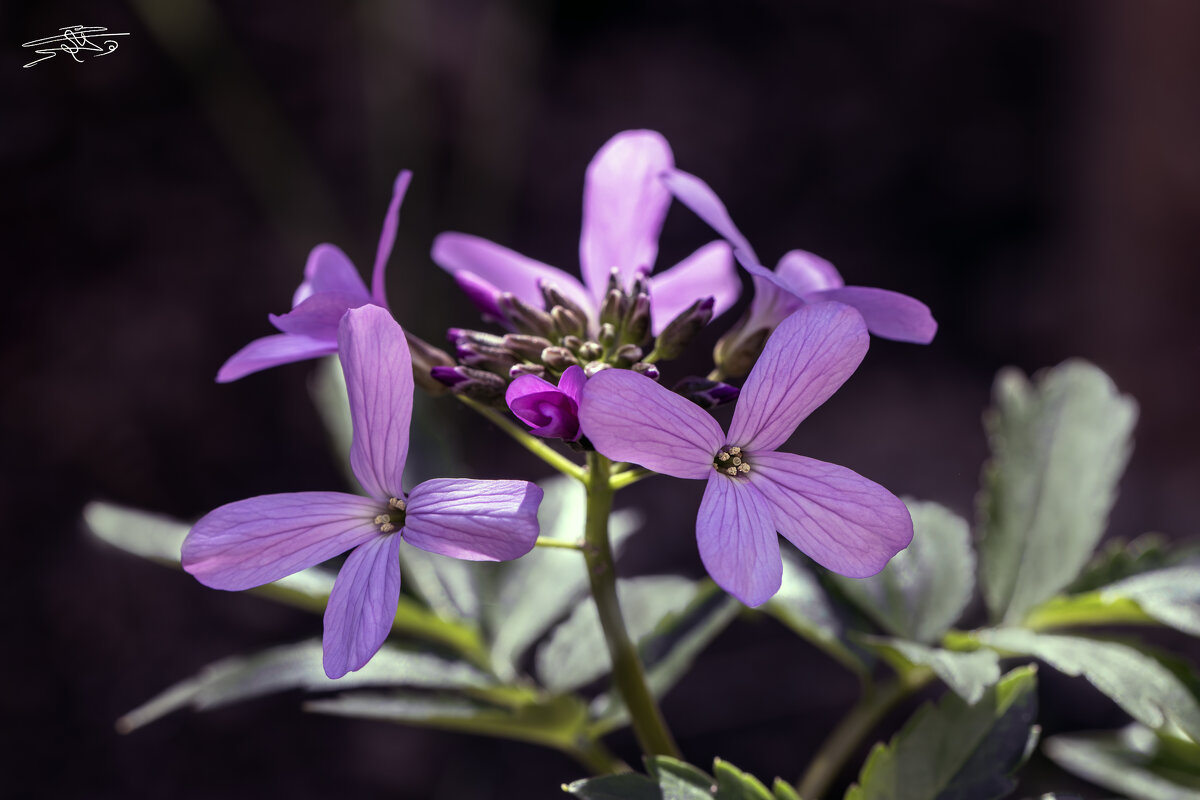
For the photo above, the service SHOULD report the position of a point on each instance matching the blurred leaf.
(678, 780)
(733, 784)
(1058, 449)
(968, 674)
(298, 666)
(1135, 761)
(1147, 690)
(672, 779)
(784, 791)
(327, 388)
(924, 588)
(1091, 608)
(627, 786)
(448, 585)
(955, 751)
(1171, 596)
(1118, 559)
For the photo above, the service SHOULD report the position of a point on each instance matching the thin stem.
(854, 727)
(597, 758)
(629, 677)
(530, 442)
(622, 479)
(543, 541)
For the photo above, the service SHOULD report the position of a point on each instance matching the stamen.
(723, 456)
(731, 461)
(731, 471)
(387, 527)
(382, 519)
(396, 504)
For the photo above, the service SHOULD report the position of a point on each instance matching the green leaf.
(627, 786)
(784, 791)
(679, 780)
(1118, 559)
(1058, 449)
(967, 674)
(733, 784)
(327, 388)
(1171, 596)
(1147, 690)
(925, 588)
(449, 585)
(955, 751)
(1135, 761)
(298, 666)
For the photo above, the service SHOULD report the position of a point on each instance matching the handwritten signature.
(73, 40)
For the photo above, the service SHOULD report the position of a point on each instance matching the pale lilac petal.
(708, 272)
(362, 605)
(629, 417)
(843, 521)
(319, 315)
(473, 520)
(387, 238)
(737, 540)
(262, 539)
(505, 269)
(572, 382)
(803, 272)
(544, 407)
(484, 295)
(704, 203)
(329, 270)
(888, 314)
(624, 204)
(807, 358)
(271, 351)
(379, 380)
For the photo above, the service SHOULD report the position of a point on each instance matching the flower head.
(331, 286)
(262, 539)
(550, 411)
(841, 520)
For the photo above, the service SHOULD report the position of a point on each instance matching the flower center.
(393, 518)
(731, 461)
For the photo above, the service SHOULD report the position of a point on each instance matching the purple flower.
(262, 539)
(331, 286)
(624, 204)
(841, 520)
(550, 411)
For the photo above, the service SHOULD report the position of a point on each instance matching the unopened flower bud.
(612, 310)
(590, 351)
(558, 358)
(426, 357)
(705, 393)
(680, 331)
(525, 345)
(592, 367)
(738, 350)
(525, 318)
(608, 335)
(476, 384)
(517, 370)
(572, 343)
(649, 370)
(628, 354)
(636, 327)
(556, 299)
(569, 322)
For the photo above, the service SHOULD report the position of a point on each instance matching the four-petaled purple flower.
(841, 520)
(331, 286)
(262, 539)
(624, 204)
(550, 411)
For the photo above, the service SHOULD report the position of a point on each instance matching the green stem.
(596, 757)
(543, 541)
(854, 727)
(622, 479)
(530, 442)
(629, 677)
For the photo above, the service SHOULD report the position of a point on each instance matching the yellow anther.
(382, 519)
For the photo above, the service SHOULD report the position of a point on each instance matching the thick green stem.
(628, 675)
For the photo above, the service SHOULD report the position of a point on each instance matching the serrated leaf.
(1135, 761)
(1058, 449)
(925, 587)
(968, 674)
(679, 780)
(1138, 683)
(628, 786)
(733, 784)
(955, 751)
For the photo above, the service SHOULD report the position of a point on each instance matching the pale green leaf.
(627, 786)
(450, 586)
(1118, 559)
(327, 388)
(1135, 761)
(784, 791)
(679, 780)
(1171, 596)
(967, 674)
(733, 784)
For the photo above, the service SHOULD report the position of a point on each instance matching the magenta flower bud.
(706, 393)
(550, 411)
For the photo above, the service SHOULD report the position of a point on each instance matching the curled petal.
(271, 351)
(843, 521)
(251, 542)
(387, 238)
(319, 315)
(629, 417)
(807, 358)
(329, 270)
(545, 408)
(624, 205)
(708, 272)
(888, 314)
(737, 540)
(473, 520)
(379, 382)
(801, 272)
(704, 203)
(572, 382)
(484, 295)
(362, 605)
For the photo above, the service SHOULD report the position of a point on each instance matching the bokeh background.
(1029, 169)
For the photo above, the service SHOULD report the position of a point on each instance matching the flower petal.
(329, 270)
(572, 382)
(704, 203)
(888, 314)
(737, 540)
(271, 351)
(362, 605)
(624, 205)
(484, 295)
(708, 272)
(545, 408)
(473, 520)
(629, 417)
(807, 358)
(387, 238)
(843, 521)
(802, 272)
(505, 269)
(251, 542)
(379, 382)
(318, 316)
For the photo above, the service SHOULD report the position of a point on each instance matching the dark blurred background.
(1029, 169)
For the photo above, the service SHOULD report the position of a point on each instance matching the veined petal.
(807, 358)
(319, 315)
(572, 382)
(704, 203)
(843, 521)
(271, 351)
(888, 314)
(802, 272)
(387, 238)
(624, 205)
(473, 520)
(379, 381)
(737, 540)
(329, 270)
(708, 272)
(262, 539)
(362, 605)
(629, 417)
(505, 269)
